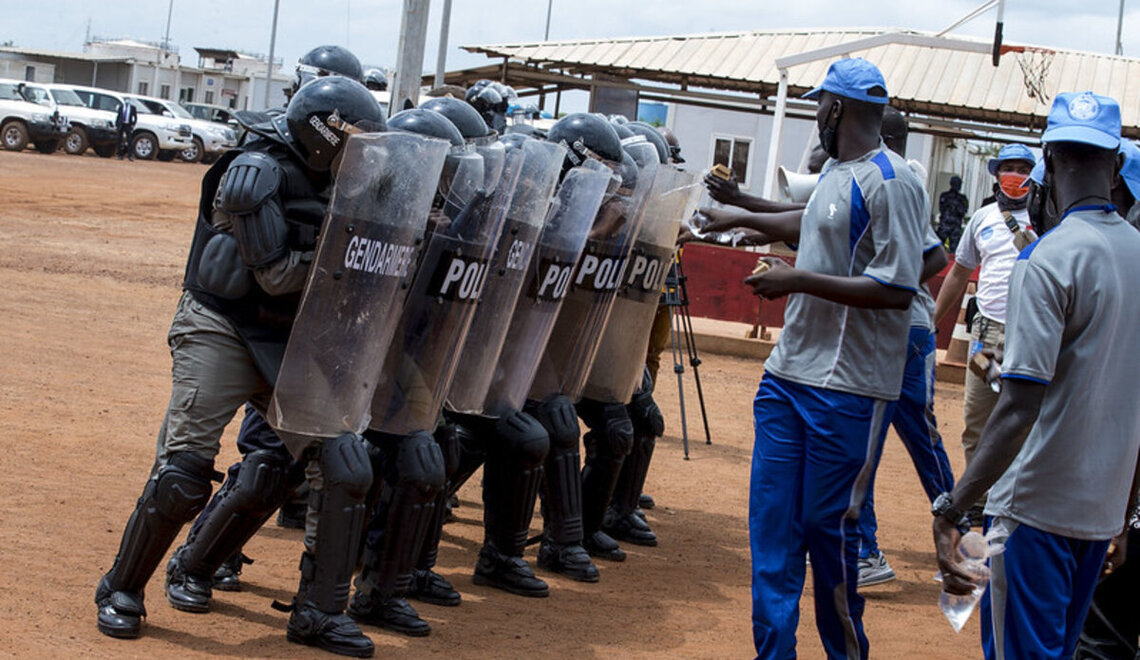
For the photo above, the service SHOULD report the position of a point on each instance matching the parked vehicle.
(155, 135)
(209, 140)
(24, 121)
(89, 127)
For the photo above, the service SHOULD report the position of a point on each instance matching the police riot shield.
(574, 341)
(545, 285)
(620, 358)
(437, 314)
(541, 164)
(349, 309)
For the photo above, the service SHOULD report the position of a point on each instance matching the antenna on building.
(87, 35)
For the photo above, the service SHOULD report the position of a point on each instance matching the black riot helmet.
(326, 61)
(375, 80)
(674, 144)
(586, 136)
(465, 117)
(622, 130)
(425, 122)
(653, 136)
(323, 114)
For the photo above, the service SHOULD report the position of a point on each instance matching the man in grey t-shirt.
(825, 399)
(1070, 366)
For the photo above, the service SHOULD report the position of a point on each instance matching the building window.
(143, 88)
(30, 73)
(186, 95)
(733, 152)
(209, 96)
(164, 91)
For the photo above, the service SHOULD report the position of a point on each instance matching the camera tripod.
(676, 297)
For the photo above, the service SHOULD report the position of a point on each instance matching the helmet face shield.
(494, 155)
(462, 176)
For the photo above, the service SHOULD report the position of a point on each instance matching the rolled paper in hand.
(761, 266)
(721, 172)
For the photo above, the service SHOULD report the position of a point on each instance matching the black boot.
(630, 527)
(601, 545)
(228, 575)
(335, 633)
(431, 587)
(570, 560)
(186, 592)
(646, 502)
(389, 612)
(509, 573)
(120, 612)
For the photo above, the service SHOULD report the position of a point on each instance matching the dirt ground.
(92, 258)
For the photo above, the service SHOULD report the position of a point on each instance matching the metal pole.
(777, 134)
(441, 59)
(1119, 29)
(410, 55)
(272, 49)
(549, 7)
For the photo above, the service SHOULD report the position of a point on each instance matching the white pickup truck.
(24, 121)
(155, 135)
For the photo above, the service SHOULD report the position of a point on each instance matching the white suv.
(155, 136)
(210, 140)
(89, 127)
(23, 120)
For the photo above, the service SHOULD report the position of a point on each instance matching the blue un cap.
(1011, 152)
(853, 78)
(1038, 174)
(1084, 117)
(1130, 171)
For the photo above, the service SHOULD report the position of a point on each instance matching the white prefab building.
(220, 76)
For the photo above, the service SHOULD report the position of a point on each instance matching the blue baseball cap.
(1084, 117)
(853, 78)
(1038, 174)
(1130, 172)
(1011, 152)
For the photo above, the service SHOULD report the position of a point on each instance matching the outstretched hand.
(725, 192)
(777, 281)
(718, 220)
(954, 579)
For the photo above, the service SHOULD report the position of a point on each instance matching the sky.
(370, 28)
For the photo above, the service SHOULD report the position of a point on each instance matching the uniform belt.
(985, 323)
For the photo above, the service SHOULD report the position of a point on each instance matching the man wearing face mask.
(831, 382)
(991, 239)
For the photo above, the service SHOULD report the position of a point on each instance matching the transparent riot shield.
(442, 301)
(545, 286)
(541, 165)
(349, 308)
(618, 364)
(574, 341)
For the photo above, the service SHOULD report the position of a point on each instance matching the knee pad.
(524, 437)
(610, 427)
(182, 486)
(557, 416)
(345, 465)
(453, 439)
(645, 414)
(263, 479)
(420, 463)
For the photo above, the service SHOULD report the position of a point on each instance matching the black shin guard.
(562, 479)
(634, 470)
(471, 451)
(346, 474)
(510, 480)
(607, 443)
(413, 474)
(455, 442)
(243, 506)
(170, 499)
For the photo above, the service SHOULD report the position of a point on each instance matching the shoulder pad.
(252, 178)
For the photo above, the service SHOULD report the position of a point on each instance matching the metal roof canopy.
(946, 86)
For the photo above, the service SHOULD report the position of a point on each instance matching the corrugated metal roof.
(941, 82)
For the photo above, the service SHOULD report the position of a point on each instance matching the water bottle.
(973, 550)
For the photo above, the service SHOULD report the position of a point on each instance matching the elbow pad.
(248, 195)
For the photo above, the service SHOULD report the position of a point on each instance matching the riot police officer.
(260, 212)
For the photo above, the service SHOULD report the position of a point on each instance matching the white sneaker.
(874, 569)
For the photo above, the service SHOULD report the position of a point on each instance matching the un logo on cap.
(1084, 107)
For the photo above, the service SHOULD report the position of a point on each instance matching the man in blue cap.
(991, 240)
(829, 385)
(1060, 451)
